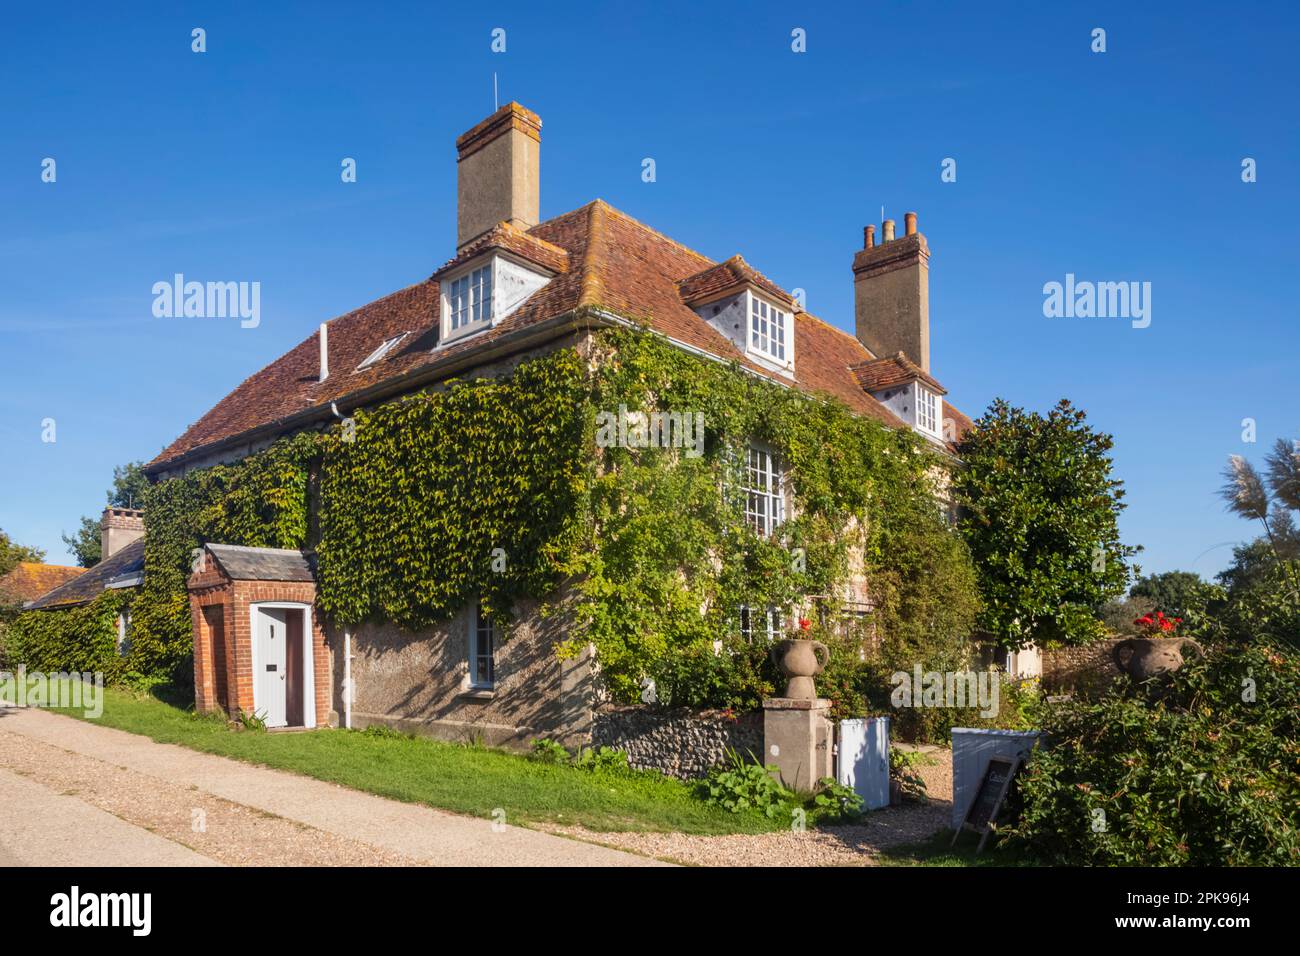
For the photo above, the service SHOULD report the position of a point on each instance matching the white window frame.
(769, 331)
(929, 410)
(456, 302)
(476, 656)
(763, 484)
(123, 632)
(773, 628)
(383, 350)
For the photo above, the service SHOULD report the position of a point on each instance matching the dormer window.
(378, 354)
(484, 292)
(470, 299)
(768, 328)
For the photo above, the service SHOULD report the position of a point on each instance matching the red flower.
(804, 623)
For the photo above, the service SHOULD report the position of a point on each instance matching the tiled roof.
(122, 566)
(261, 564)
(719, 280)
(615, 264)
(892, 371)
(30, 579)
(512, 239)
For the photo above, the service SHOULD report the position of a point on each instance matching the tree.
(1172, 592)
(12, 553)
(1041, 519)
(1270, 500)
(1263, 581)
(129, 485)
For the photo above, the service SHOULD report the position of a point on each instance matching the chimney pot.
(118, 527)
(891, 284)
(869, 237)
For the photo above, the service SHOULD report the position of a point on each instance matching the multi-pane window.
(379, 353)
(764, 499)
(927, 410)
(767, 624)
(470, 298)
(482, 651)
(767, 328)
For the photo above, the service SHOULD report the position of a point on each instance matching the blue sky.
(1124, 165)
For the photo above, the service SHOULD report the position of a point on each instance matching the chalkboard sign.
(983, 812)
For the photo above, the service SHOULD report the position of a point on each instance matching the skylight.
(382, 351)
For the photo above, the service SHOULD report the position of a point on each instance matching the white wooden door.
(271, 665)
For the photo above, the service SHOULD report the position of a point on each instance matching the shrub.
(546, 750)
(1204, 772)
(1016, 701)
(835, 803)
(384, 732)
(738, 785)
(902, 769)
(604, 760)
(252, 721)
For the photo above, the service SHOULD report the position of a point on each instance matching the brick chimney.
(891, 284)
(497, 173)
(119, 527)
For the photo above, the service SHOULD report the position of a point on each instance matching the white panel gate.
(864, 759)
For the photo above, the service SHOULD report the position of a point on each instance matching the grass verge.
(938, 851)
(458, 777)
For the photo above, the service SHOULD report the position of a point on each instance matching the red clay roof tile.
(612, 263)
(30, 579)
(892, 371)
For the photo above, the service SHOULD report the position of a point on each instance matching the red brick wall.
(209, 586)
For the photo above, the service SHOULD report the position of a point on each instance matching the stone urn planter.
(1143, 658)
(800, 661)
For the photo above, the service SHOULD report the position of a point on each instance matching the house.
(30, 579)
(515, 287)
(121, 566)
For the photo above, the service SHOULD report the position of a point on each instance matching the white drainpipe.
(347, 679)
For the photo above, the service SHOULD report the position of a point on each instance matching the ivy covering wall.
(261, 501)
(497, 488)
(672, 560)
(477, 488)
(78, 639)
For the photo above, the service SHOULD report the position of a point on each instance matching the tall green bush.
(1205, 772)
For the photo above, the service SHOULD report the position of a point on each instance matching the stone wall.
(679, 743)
(420, 682)
(1084, 668)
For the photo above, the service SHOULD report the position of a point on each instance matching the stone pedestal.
(797, 736)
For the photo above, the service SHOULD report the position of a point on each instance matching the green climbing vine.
(499, 487)
(260, 501)
(73, 640)
(477, 488)
(673, 561)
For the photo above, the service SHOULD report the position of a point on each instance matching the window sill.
(466, 331)
(477, 693)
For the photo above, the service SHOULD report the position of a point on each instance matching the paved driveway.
(76, 793)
